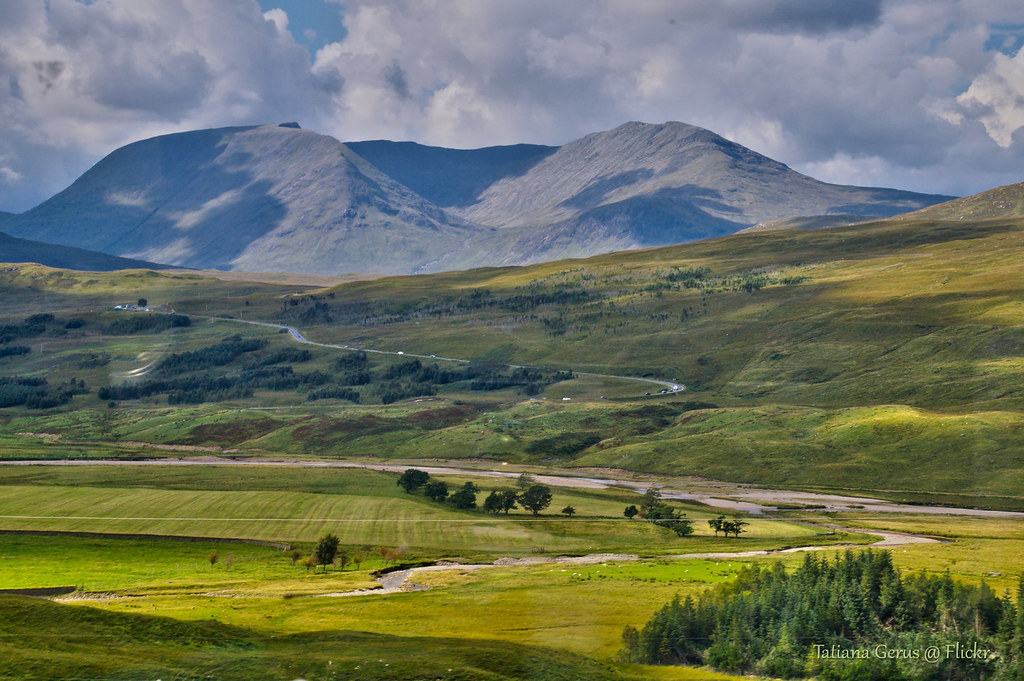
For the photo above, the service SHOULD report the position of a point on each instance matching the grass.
(576, 610)
(891, 349)
(885, 355)
(111, 645)
(571, 608)
(364, 508)
(988, 549)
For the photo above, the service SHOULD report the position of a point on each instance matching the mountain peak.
(279, 198)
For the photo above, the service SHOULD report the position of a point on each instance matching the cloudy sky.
(916, 94)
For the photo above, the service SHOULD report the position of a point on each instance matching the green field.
(882, 359)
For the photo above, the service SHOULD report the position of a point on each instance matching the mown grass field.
(363, 508)
(266, 606)
(254, 595)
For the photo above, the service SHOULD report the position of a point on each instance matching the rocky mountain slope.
(278, 198)
(268, 198)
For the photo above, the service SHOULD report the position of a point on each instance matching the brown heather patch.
(331, 429)
(230, 432)
(444, 417)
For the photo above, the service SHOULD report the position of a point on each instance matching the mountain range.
(277, 198)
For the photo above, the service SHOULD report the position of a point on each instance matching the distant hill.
(1002, 202)
(14, 250)
(282, 199)
(810, 222)
(268, 198)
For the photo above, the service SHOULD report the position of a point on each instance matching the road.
(670, 387)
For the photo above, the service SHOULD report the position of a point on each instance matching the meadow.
(256, 605)
(882, 359)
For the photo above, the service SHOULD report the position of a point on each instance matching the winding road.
(669, 386)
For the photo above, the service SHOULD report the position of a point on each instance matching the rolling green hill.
(885, 356)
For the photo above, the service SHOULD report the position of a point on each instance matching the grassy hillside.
(885, 356)
(107, 645)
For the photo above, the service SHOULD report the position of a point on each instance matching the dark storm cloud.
(395, 77)
(795, 16)
(170, 86)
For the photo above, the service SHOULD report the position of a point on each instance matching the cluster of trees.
(12, 350)
(689, 277)
(411, 378)
(727, 526)
(334, 393)
(186, 377)
(35, 325)
(145, 323)
(776, 623)
(190, 377)
(219, 354)
(531, 496)
(657, 512)
(37, 393)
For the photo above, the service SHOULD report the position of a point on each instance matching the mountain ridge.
(277, 198)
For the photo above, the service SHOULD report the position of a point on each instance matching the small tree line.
(529, 495)
(655, 510)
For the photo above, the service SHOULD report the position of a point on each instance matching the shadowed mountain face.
(14, 250)
(451, 178)
(278, 198)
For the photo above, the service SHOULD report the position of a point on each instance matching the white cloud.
(906, 93)
(996, 99)
(78, 80)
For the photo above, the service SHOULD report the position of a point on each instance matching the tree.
(326, 549)
(508, 500)
(716, 524)
(341, 560)
(734, 527)
(678, 524)
(212, 558)
(652, 499)
(492, 504)
(465, 498)
(310, 563)
(358, 559)
(569, 511)
(631, 511)
(524, 481)
(295, 554)
(436, 490)
(412, 479)
(661, 514)
(142, 302)
(536, 498)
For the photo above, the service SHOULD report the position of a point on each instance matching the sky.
(925, 95)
